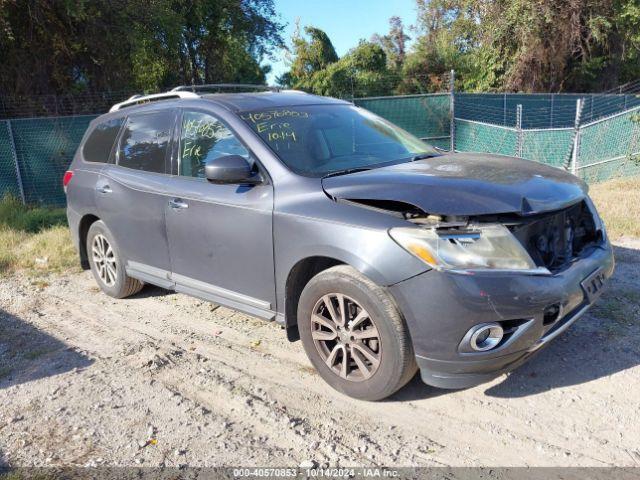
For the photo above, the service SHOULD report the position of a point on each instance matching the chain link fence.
(37, 106)
(610, 147)
(541, 110)
(597, 140)
(596, 151)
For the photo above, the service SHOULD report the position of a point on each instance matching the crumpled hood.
(463, 184)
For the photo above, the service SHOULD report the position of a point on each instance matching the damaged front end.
(543, 243)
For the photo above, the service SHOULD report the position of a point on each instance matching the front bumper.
(441, 307)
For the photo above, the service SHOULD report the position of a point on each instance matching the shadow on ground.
(27, 353)
(151, 291)
(602, 343)
(4, 463)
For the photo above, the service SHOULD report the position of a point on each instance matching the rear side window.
(145, 141)
(98, 146)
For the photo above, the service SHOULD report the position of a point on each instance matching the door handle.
(104, 189)
(178, 204)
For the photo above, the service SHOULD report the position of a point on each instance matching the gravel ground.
(162, 379)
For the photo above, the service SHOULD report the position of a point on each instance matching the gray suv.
(381, 253)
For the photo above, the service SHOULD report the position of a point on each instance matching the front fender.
(371, 251)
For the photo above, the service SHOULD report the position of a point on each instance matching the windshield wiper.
(346, 171)
(424, 155)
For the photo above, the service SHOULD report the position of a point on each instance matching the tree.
(308, 56)
(316, 68)
(73, 45)
(394, 43)
(448, 38)
(362, 72)
(523, 45)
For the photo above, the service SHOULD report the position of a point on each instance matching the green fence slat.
(479, 137)
(547, 146)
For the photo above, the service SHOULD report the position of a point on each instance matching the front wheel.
(354, 334)
(107, 265)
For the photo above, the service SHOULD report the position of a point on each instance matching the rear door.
(130, 194)
(220, 236)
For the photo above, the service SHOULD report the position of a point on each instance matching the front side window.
(315, 140)
(145, 141)
(204, 138)
(98, 146)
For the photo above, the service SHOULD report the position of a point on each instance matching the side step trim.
(242, 307)
(203, 290)
(148, 274)
(219, 292)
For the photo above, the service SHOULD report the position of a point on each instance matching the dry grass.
(618, 202)
(34, 239)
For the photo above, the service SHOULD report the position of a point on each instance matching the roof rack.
(139, 99)
(189, 91)
(212, 86)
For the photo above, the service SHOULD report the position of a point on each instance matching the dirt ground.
(162, 379)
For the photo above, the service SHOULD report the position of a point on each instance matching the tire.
(372, 373)
(107, 264)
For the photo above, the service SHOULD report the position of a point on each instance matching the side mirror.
(230, 169)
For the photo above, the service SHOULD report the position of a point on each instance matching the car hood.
(462, 184)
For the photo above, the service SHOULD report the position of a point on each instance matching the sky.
(345, 21)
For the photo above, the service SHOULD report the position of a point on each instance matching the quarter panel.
(81, 197)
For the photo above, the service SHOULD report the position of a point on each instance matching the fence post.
(353, 95)
(452, 110)
(504, 109)
(575, 153)
(14, 154)
(519, 130)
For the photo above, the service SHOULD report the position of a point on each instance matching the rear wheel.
(354, 334)
(107, 264)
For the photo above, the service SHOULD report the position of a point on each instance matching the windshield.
(316, 140)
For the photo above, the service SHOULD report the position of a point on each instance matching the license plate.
(593, 285)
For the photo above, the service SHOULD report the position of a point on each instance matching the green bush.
(16, 216)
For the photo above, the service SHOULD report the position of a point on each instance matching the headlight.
(476, 247)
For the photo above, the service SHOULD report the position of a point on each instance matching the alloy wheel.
(104, 259)
(346, 337)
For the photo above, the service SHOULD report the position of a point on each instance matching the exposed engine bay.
(557, 239)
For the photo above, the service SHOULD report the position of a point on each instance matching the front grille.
(555, 240)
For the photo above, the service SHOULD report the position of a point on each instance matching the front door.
(130, 195)
(220, 236)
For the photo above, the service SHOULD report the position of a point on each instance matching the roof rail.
(211, 86)
(139, 99)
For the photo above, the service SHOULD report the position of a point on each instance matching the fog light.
(551, 314)
(485, 336)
